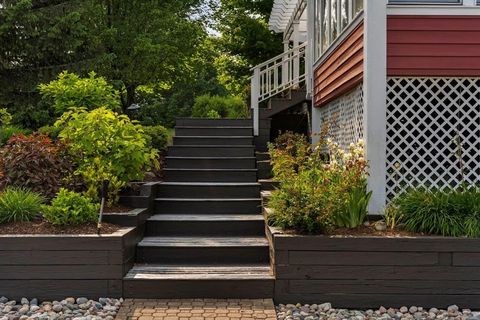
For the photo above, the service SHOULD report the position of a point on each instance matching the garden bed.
(57, 266)
(370, 271)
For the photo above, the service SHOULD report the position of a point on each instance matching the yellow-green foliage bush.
(106, 146)
(71, 91)
(207, 106)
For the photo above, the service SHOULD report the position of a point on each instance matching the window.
(332, 17)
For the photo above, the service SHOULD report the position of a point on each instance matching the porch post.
(285, 69)
(375, 99)
(310, 50)
(296, 53)
(254, 104)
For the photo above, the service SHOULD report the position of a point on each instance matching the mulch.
(117, 209)
(43, 227)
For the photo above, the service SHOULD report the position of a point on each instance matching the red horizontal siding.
(433, 46)
(341, 71)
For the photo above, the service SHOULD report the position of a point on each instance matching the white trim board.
(433, 10)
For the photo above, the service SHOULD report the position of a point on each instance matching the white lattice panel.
(425, 118)
(344, 116)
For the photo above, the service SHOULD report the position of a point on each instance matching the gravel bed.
(67, 309)
(327, 312)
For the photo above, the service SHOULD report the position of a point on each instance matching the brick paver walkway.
(197, 309)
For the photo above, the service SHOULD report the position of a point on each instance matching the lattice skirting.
(344, 117)
(430, 122)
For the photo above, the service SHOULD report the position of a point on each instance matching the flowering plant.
(321, 186)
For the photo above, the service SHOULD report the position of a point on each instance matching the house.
(404, 75)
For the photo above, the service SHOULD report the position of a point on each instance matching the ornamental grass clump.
(321, 187)
(19, 205)
(449, 212)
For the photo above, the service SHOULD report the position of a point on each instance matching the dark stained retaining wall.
(368, 272)
(58, 266)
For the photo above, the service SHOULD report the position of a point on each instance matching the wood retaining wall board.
(57, 266)
(369, 272)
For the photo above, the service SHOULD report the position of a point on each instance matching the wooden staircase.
(207, 236)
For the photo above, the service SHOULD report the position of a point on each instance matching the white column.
(254, 95)
(285, 71)
(296, 43)
(310, 50)
(375, 98)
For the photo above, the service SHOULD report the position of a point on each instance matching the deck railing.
(285, 71)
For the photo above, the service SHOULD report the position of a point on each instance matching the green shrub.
(71, 208)
(106, 146)
(448, 213)
(19, 204)
(6, 132)
(5, 117)
(35, 162)
(71, 91)
(50, 131)
(317, 191)
(226, 107)
(213, 114)
(157, 136)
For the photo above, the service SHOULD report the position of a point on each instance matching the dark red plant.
(35, 162)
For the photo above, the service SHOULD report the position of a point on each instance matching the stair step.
(211, 162)
(210, 175)
(197, 272)
(199, 281)
(208, 206)
(211, 151)
(206, 225)
(262, 156)
(213, 131)
(202, 190)
(213, 140)
(214, 122)
(191, 250)
(268, 184)
(264, 170)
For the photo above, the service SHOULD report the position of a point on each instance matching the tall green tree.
(244, 39)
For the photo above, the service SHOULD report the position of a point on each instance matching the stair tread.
(204, 184)
(199, 272)
(206, 217)
(216, 137)
(203, 242)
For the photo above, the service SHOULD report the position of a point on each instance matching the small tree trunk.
(129, 98)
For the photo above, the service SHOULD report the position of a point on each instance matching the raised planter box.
(368, 272)
(58, 266)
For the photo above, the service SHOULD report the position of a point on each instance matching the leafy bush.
(157, 137)
(448, 213)
(226, 107)
(6, 132)
(71, 91)
(36, 163)
(50, 131)
(71, 208)
(5, 117)
(106, 146)
(317, 190)
(213, 114)
(19, 204)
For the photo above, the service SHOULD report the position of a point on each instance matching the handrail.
(276, 75)
(303, 45)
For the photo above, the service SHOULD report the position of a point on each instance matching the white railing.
(276, 75)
